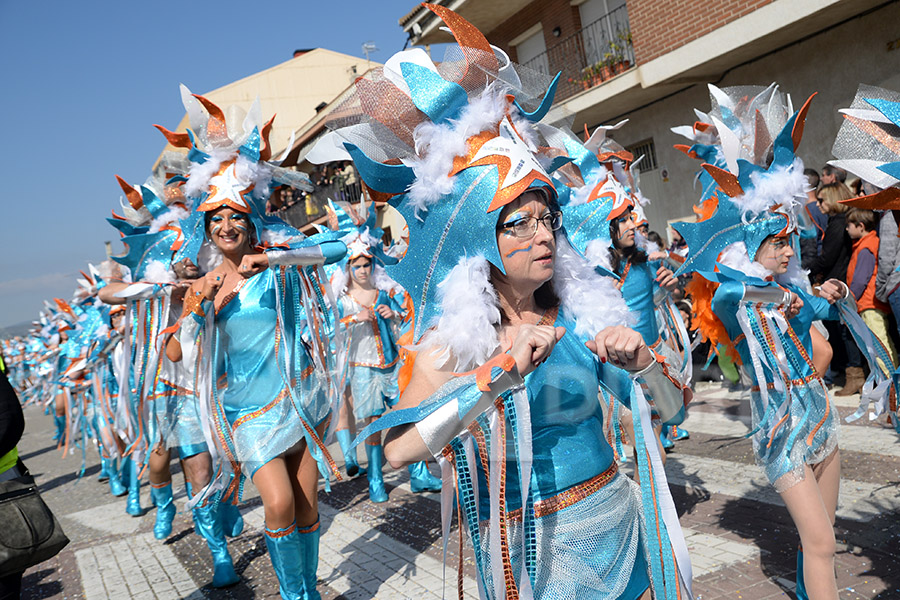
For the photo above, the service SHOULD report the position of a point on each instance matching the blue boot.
(667, 444)
(680, 433)
(115, 482)
(375, 454)
(351, 465)
(287, 560)
(309, 559)
(421, 479)
(60, 435)
(800, 591)
(130, 474)
(165, 510)
(232, 521)
(209, 526)
(104, 468)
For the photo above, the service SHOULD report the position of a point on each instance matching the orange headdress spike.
(216, 129)
(686, 149)
(179, 140)
(64, 306)
(587, 135)
(474, 45)
(886, 199)
(800, 121)
(134, 196)
(727, 181)
(265, 151)
(87, 277)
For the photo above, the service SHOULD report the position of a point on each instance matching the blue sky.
(84, 82)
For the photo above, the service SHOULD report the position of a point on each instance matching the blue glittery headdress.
(228, 163)
(868, 145)
(752, 181)
(448, 145)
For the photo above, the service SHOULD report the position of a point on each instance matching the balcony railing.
(591, 56)
(307, 208)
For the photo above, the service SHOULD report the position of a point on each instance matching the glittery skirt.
(588, 543)
(373, 390)
(806, 435)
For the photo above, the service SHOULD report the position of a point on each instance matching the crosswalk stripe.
(859, 501)
(354, 555)
(857, 438)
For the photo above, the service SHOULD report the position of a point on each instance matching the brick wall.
(660, 27)
(550, 13)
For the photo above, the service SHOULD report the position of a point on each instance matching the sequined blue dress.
(795, 422)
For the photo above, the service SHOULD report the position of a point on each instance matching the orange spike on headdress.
(134, 196)
(474, 45)
(727, 180)
(179, 140)
(687, 150)
(800, 121)
(216, 129)
(265, 150)
(64, 306)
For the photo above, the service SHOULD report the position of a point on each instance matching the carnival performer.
(867, 146)
(750, 295)
(372, 307)
(256, 334)
(602, 206)
(515, 335)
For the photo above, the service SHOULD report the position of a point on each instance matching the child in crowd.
(862, 226)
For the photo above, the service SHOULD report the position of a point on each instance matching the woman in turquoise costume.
(750, 295)
(599, 193)
(372, 307)
(256, 334)
(512, 344)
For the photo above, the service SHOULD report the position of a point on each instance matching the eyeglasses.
(527, 227)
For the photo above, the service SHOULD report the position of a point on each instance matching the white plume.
(173, 214)
(735, 256)
(382, 281)
(437, 144)
(783, 185)
(470, 316)
(158, 272)
(598, 254)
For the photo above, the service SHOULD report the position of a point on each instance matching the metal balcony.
(589, 57)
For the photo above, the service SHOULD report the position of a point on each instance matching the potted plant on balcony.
(618, 48)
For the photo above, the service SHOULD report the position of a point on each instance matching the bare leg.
(344, 420)
(197, 470)
(828, 476)
(304, 475)
(159, 466)
(810, 514)
(276, 491)
(375, 438)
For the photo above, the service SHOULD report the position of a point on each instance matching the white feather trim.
(173, 214)
(592, 300)
(735, 256)
(437, 144)
(273, 236)
(470, 316)
(158, 272)
(784, 185)
(382, 281)
(598, 254)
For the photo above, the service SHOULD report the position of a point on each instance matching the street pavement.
(741, 539)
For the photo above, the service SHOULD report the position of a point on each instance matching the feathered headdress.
(753, 183)
(228, 163)
(448, 145)
(868, 145)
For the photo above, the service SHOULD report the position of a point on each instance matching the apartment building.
(650, 61)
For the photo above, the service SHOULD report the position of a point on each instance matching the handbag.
(29, 533)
